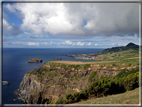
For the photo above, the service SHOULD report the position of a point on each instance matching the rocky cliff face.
(28, 83)
(45, 84)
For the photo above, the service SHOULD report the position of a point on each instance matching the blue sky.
(70, 25)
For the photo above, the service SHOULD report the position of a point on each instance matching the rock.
(5, 83)
(28, 83)
(34, 60)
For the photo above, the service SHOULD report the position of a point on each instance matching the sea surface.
(15, 65)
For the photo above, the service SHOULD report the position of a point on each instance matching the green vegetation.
(93, 74)
(106, 86)
(123, 73)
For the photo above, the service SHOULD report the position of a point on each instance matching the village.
(82, 56)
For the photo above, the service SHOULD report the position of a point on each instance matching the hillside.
(118, 49)
(67, 81)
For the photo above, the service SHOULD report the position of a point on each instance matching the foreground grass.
(129, 97)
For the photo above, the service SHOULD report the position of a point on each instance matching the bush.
(76, 97)
(69, 96)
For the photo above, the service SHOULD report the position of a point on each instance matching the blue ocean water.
(15, 65)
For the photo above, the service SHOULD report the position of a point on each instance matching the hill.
(106, 52)
(117, 49)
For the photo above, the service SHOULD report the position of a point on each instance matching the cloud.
(27, 33)
(10, 8)
(80, 44)
(104, 19)
(121, 38)
(33, 43)
(89, 43)
(10, 29)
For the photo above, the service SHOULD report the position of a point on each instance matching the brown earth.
(75, 62)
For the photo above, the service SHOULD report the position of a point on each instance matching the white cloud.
(68, 18)
(123, 38)
(10, 29)
(80, 43)
(33, 43)
(27, 33)
(10, 8)
(68, 42)
(89, 43)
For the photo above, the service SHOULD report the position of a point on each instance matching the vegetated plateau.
(67, 82)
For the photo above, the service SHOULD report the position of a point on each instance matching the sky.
(70, 25)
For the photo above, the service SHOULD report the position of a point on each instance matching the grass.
(129, 97)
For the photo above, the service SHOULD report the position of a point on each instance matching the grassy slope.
(129, 97)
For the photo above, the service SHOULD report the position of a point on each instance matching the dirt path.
(68, 62)
(77, 62)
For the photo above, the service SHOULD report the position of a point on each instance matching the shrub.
(76, 97)
(69, 96)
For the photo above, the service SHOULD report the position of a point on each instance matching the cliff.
(47, 84)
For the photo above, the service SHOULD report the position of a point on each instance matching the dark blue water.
(15, 65)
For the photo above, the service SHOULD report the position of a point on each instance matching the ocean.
(15, 65)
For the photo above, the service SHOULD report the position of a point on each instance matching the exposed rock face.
(28, 83)
(34, 60)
